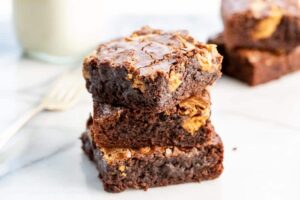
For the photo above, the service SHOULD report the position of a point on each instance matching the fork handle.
(17, 125)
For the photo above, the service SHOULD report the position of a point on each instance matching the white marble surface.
(45, 160)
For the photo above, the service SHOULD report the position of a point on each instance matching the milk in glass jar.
(58, 30)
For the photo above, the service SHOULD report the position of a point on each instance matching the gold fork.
(65, 92)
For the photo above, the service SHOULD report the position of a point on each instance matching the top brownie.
(151, 69)
(262, 24)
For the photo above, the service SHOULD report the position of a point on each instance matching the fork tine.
(64, 86)
(72, 98)
(73, 84)
(73, 93)
(56, 88)
(65, 92)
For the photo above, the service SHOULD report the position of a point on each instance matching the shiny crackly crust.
(150, 51)
(150, 69)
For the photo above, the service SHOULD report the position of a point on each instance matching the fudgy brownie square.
(254, 66)
(260, 24)
(185, 125)
(124, 168)
(150, 69)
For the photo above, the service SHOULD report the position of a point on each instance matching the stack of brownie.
(261, 39)
(151, 110)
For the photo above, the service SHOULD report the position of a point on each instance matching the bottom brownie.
(123, 168)
(255, 66)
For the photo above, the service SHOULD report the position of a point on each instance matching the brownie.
(124, 168)
(150, 69)
(185, 125)
(264, 25)
(255, 66)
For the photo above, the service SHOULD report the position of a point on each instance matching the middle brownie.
(186, 125)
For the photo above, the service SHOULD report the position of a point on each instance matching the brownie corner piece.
(150, 69)
(127, 168)
(264, 25)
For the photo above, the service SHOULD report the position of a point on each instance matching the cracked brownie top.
(150, 51)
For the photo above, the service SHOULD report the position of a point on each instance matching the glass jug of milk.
(58, 31)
